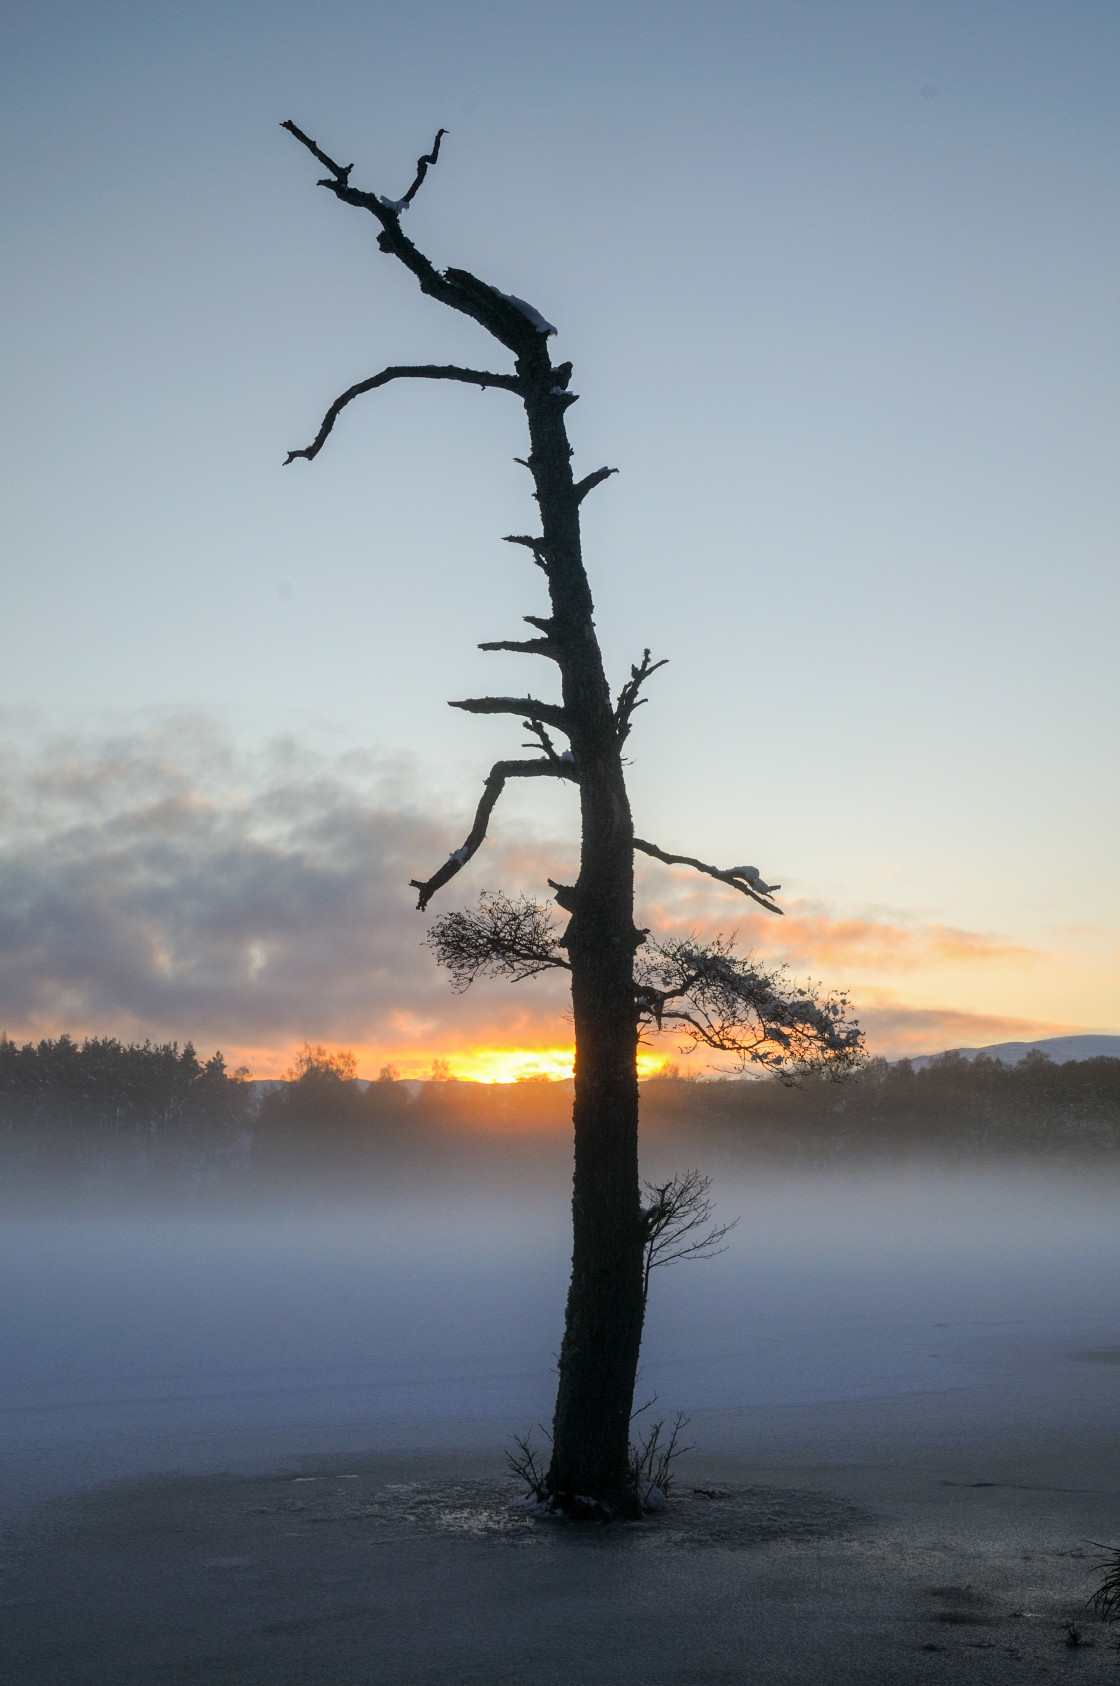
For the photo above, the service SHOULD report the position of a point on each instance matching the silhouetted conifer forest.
(102, 1117)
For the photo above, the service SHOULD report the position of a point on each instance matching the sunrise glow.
(509, 1065)
(469, 1065)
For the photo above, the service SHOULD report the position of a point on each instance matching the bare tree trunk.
(603, 1324)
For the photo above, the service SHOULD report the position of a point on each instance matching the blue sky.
(838, 281)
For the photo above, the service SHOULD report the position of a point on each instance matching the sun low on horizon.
(470, 1064)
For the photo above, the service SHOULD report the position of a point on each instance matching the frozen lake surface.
(989, 1297)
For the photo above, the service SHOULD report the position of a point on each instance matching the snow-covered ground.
(135, 1344)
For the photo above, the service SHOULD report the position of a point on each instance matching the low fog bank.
(198, 1276)
(987, 1296)
(105, 1124)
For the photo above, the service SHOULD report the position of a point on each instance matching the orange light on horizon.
(507, 1065)
(473, 1065)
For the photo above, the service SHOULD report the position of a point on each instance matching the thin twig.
(628, 699)
(422, 164)
(340, 172)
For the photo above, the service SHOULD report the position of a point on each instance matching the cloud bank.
(159, 883)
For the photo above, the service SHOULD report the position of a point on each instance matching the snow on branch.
(491, 790)
(402, 371)
(745, 879)
(531, 314)
(729, 1003)
(501, 937)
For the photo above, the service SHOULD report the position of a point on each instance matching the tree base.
(581, 1507)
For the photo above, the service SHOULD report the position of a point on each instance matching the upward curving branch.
(628, 698)
(590, 481)
(422, 164)
(732, 877)
(396, 372)
(491, 790)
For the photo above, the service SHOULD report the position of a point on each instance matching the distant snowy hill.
(1059, 1048)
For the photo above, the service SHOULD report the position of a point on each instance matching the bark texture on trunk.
(590, 1464)
(603, 1323)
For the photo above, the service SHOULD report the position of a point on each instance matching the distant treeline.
(158, 1105)
(113, 1087)
(107, 1089)
(951, 1103)
(107, 1117)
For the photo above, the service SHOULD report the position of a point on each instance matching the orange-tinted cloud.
(809, 938)
(895, 1030)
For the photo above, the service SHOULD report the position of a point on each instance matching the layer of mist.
(199, 1277)
(134, 1342)
(103, 1125)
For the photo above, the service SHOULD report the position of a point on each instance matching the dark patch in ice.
(966, 1606)
(1018, 1486)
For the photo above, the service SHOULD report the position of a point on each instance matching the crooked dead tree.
(612, 996)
